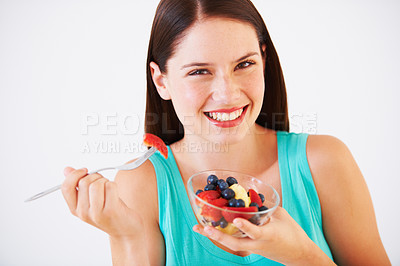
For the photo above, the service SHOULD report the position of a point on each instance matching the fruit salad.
(234, 201)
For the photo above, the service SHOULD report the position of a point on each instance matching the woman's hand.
(281, 239)
(95, 200)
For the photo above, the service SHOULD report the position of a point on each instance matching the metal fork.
(129, 166)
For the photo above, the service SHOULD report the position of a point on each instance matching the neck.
(197, 154)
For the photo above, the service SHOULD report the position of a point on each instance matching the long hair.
(171, 20)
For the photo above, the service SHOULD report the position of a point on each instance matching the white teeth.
(225, 116)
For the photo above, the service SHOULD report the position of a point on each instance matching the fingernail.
(238, 223)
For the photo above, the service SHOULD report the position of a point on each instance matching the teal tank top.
(183, 246)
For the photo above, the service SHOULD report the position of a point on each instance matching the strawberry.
(208, 196)
(151, 140)
(211, 213)
(230, 216)
(254, 197)
(219, 202)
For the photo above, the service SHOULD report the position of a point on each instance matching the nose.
(225, 90)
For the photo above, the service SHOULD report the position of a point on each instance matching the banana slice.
(241, 193)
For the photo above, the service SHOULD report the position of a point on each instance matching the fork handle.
(44, 193)
(51, 190)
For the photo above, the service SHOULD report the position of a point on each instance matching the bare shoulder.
(326, 151)
(332, 166)
(335, 172)
(133, 183)
(348, 216)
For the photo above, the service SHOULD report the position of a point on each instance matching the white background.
(62, 62)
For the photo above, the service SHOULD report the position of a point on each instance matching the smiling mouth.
(226, 116)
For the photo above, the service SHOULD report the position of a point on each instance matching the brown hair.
(171, 20)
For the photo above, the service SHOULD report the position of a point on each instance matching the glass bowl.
(215, 210)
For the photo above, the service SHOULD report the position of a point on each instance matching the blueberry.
(231, 180)
(222, 184)
(212, 179)
(199, 191)
(232, 203)
(253, 204)
(240, 203)
(215, 224)
(228, 194)
(261, 197)
(262, 208)
(223, 223)
(255, 220)
(210, 187)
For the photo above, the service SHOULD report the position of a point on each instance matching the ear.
(263, 48)
(160, 81)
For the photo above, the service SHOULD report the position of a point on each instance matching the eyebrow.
(247, 55)
(207, 64)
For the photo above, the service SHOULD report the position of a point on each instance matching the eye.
(244, 64)
(198, 72)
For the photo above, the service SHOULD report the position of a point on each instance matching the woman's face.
(215, 80)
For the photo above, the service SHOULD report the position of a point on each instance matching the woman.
(213, 76)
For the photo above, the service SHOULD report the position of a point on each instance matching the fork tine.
(139, 161)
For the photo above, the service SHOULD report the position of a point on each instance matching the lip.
(233, 123)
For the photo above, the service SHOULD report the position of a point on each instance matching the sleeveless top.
(183, 246)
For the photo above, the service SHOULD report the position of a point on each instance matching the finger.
(236, 244)
(251, 230)
(69, 185)
(68, 170)
(233, 243)
(83, 204)
(97, 195)
(111, 195)
(199, 229)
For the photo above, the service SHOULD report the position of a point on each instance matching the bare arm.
(129, 251)
(138, 189)
(347, 212)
